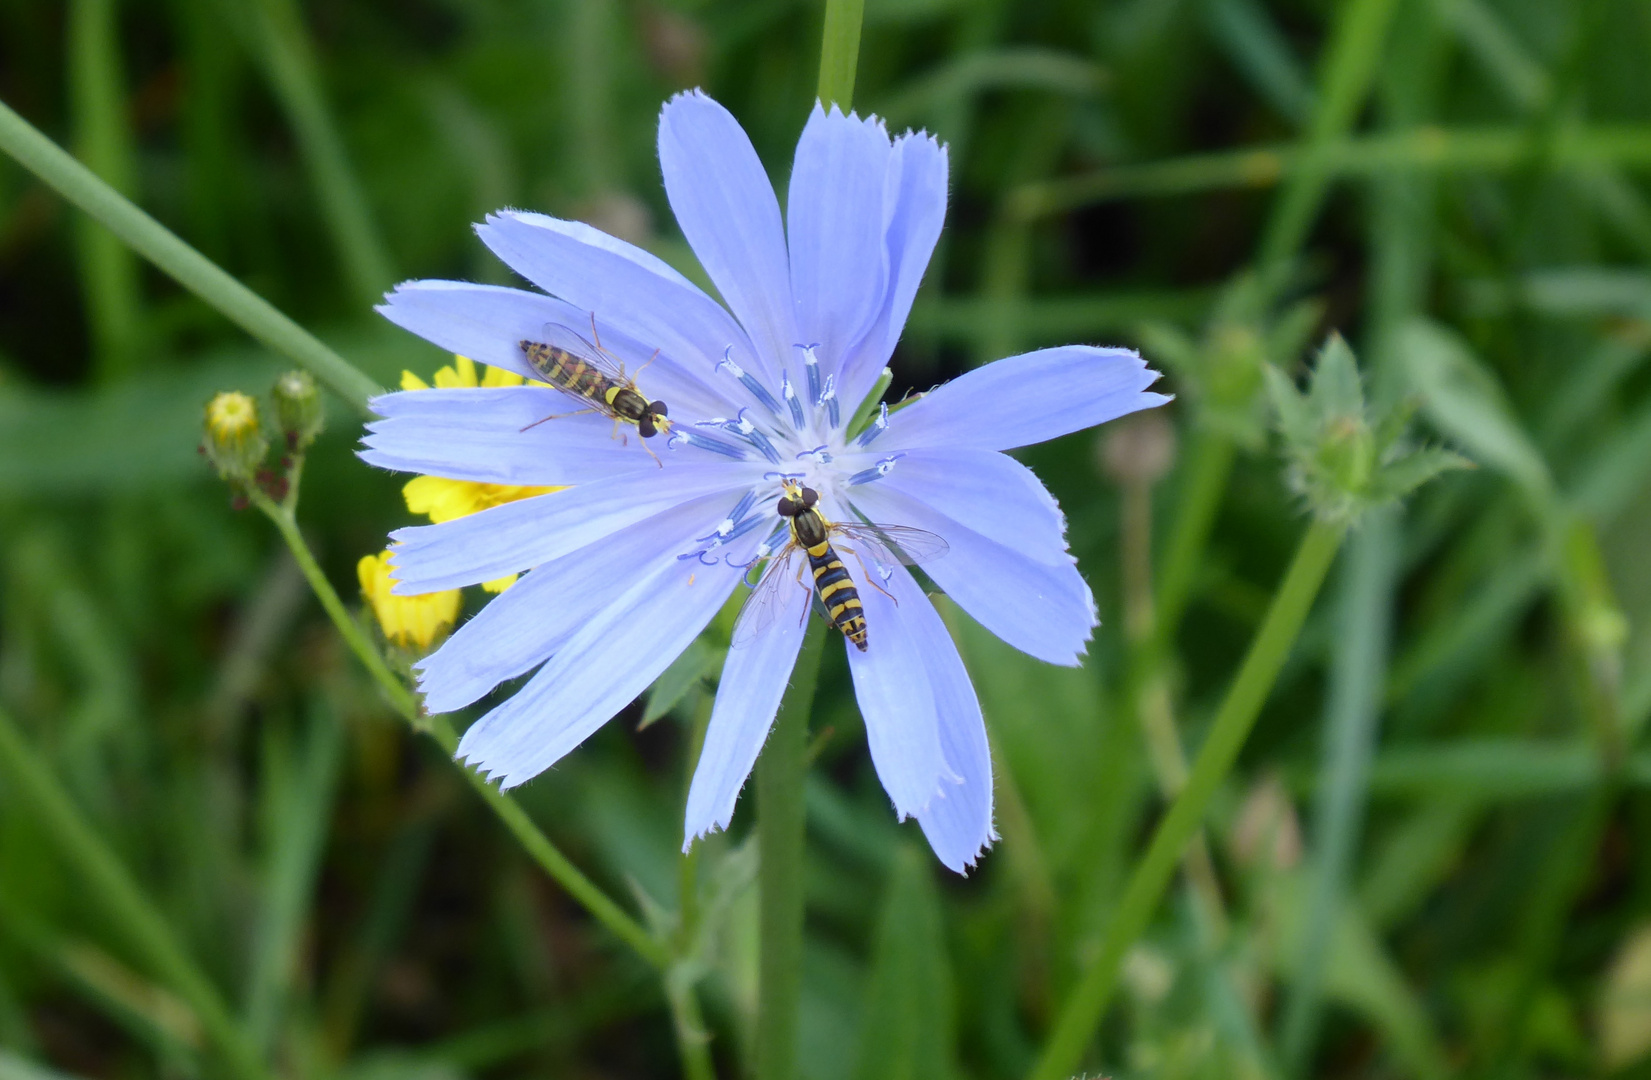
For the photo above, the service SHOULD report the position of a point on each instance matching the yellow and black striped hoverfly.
(812, 534)
(586, 371)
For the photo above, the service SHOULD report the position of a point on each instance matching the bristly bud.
(297, 409)
(234, 441)
(1343, 459)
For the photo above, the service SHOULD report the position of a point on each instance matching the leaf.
(906, 1032)
(685, 673)
(1410, 472)
(1337, 389)
(1465, 401)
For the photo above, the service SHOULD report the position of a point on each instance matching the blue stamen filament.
(811, 362)
(828, 398)
(883, 467)
(790, 394)
(758, 390)
(878, 426)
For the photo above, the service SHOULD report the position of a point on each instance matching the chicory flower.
(622, 571)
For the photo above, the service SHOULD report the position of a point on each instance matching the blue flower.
(627, 567)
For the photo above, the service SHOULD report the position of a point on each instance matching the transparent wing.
(567, 339)
(911, 546)
(764, 602)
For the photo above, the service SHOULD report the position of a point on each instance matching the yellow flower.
(406, 620)
(443, 499)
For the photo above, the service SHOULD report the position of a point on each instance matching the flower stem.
(840, 51)
(533, 840)
(194, 271)
(30, 780)
(1087, 1004)
(781, 772)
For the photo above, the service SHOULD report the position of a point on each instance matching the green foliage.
(222, 854)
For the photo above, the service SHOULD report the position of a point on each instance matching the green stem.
(781, 772)
(1087, 1004)
(354, 636)
(840, 51)
(537, 845)
(692, 1040)
(32, 782)
(194, 271)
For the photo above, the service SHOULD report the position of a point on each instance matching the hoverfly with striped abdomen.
(812, 533)
(586, 371)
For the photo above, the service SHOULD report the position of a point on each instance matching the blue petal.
(983, 490)
(754, 679)
(534, 617)
(726, 208)
(598, 671)
(1045, 610)
(477, 434)
(896, 700)
(516, 536)
(915, 209)
(958, 823)
(1027, 399)
(634, 292)
(488, 323)
(834, 221)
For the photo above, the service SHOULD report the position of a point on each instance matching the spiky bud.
(1343, 458)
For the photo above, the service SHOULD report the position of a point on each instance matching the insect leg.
(808, 589)
(646, 366)
(558, 416)
(651, 453)
(871, 579)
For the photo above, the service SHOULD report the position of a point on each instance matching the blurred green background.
(1432, 858)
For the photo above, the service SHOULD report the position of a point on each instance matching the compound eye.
(658, 408)
(810, 497)
(788, 508)
(645, 427)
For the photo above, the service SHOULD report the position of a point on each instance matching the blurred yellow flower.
(406, 620)
(442, 499)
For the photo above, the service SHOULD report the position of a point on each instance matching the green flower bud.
(1343, 460)
(297, 409)
(234, 442)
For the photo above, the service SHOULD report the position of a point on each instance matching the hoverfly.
(588, 372)
(812, 534)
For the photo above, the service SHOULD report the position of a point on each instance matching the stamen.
(828, 398)
(789, 392)
(811, 362)
(819, 455)
(746, 430)
(883, 467)
(683, 436)
(757, 389)
(878, 426)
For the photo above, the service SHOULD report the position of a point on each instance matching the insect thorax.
(811, 529)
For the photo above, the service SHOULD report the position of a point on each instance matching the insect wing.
(910, 546)
(569, 340)
(764, 603)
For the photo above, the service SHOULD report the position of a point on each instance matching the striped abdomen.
(567, 372)
(838, 594)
